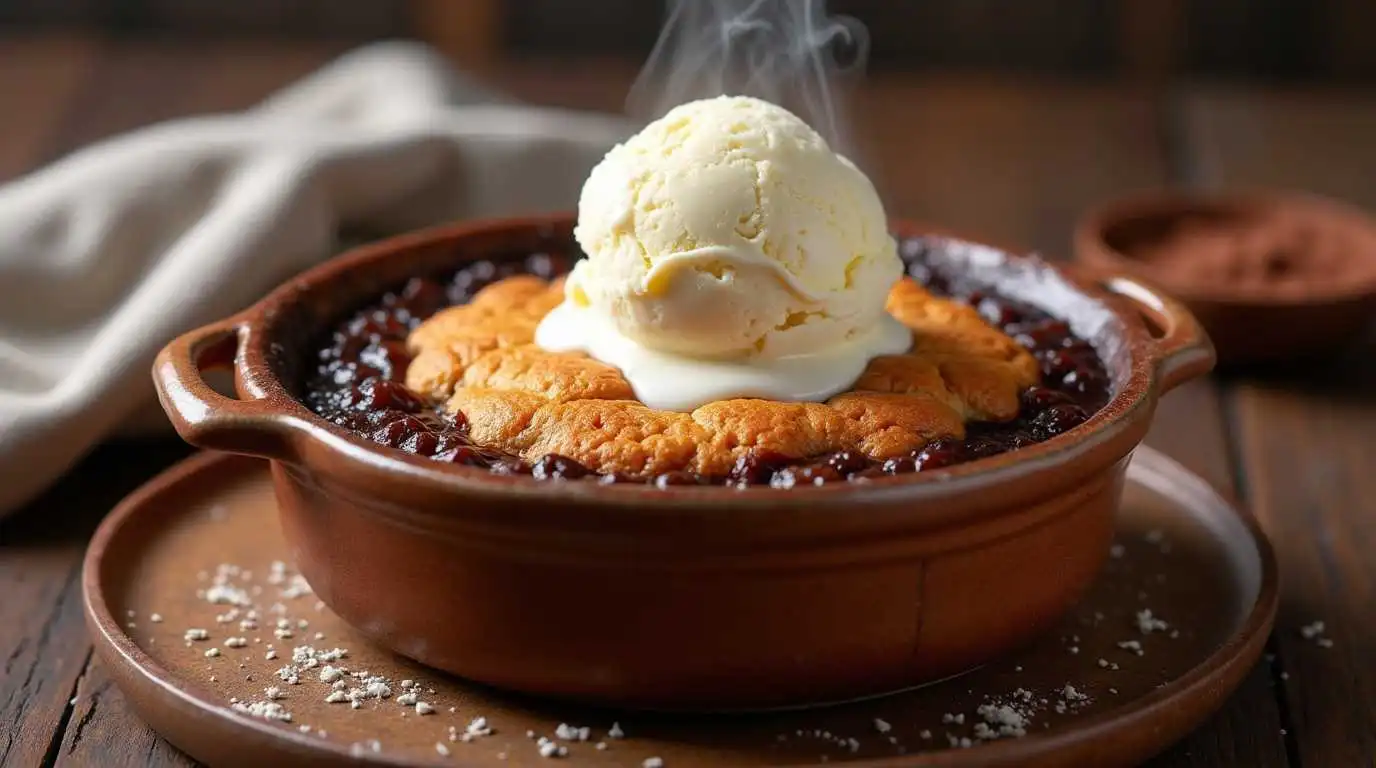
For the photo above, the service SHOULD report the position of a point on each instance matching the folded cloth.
(108, 254)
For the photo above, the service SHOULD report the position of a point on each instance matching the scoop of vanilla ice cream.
(729, 229)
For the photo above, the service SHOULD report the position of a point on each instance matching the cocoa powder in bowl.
(1258, 250)
(1271, 275)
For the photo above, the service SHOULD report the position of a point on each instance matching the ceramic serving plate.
(207, 531)
(691, 597)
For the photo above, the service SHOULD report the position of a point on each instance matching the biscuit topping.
(480, 360)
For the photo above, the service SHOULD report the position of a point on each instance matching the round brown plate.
(195, 550)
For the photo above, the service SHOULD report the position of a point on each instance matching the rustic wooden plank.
(42, 643)
(1346, 36)
(1013, 161)
(237, 74)
(1315, 140)
(468, 33)
(42, 635)
(1305, 433)
(38, 80)
(102, 727)
(1149, 37)
(41, 639)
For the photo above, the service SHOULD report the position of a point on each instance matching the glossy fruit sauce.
(355, 380)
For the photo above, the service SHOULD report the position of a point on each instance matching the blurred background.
(1279, 40)
(1005, 118)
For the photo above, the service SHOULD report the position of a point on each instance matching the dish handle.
(1182, 348)
(207, 419)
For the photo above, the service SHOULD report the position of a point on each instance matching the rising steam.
(785, 51)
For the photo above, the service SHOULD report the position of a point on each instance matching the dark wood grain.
(102, 728)
(75, 92)
(42, 633)
(1305, 433)
(38, 81)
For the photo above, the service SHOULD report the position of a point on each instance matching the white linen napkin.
(111, 252)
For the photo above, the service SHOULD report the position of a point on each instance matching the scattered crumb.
(570, 733)
(235, 642)
(549, 748)
(1315, 632)
(478, 727)
(156, 618)
(615, 732)
(1147, 623)
(442, 749)
(268, 710)
(424, 708)
(201, 634)
(652, 762)
(882, 725)
(212, 652)
(1132, 646)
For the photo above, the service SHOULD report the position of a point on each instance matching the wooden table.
(1015, 160)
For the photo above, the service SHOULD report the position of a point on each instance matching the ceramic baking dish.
(693, 597)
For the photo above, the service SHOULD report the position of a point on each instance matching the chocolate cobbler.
(446, 368)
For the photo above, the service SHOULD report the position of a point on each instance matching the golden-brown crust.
(480, 359)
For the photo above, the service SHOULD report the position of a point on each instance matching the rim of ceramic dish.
(1092, 247)
(306, 430)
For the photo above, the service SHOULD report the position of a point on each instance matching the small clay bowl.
(1272, 276)
(687, 598)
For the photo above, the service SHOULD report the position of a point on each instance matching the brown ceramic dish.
(1270, 275)
(683, 598)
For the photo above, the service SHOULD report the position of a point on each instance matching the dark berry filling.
(358, 368)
